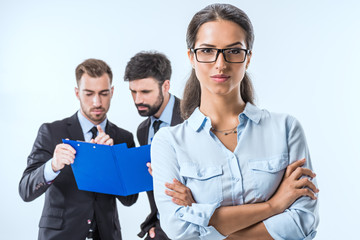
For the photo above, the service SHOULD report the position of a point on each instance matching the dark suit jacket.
(66, 209)
(142, 135)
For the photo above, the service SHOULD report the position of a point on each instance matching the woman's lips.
(220, 78)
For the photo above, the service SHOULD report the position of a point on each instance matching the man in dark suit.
(149, 75)
(70, 213)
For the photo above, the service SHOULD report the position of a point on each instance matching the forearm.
(255, 232)
(32, 184)
(230, 219)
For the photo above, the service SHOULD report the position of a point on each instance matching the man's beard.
(152, 110)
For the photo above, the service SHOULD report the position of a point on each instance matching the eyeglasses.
(231, 55)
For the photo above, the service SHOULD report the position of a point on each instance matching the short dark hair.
(148, 64)
(94, 68)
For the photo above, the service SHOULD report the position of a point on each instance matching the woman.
(239, 161)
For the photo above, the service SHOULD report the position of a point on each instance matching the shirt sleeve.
(300, 220)
(49, 174)
(178, 222)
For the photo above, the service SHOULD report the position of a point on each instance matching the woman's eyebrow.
(213, 46)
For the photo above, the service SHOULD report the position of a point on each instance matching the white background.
(306, 62)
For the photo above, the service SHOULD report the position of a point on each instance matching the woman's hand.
(181, 195)
(293, 186)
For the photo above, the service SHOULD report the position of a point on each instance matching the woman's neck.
(223, 110)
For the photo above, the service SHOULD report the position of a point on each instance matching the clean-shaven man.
(70, 213)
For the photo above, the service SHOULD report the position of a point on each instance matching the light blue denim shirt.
(266, 144)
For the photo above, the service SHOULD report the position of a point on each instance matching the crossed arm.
(246, 221)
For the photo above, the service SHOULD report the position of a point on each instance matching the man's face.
(94, 95)
(147, 94)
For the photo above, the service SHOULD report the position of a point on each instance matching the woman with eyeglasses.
(240, 162)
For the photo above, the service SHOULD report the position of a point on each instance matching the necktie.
(93, 130)
(156, 125)
(93, 231)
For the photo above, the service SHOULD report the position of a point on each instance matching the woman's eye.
(207, 50)
(234, 51)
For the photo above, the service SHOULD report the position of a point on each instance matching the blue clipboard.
(116, 170)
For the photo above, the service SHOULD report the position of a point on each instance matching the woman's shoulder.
(278, 118)
(258, 114)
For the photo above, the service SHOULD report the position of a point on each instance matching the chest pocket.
(204, 182)
(267, 174)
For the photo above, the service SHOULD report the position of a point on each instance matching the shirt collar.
(198, 120)
(86, 125)
(252, 112)
(166, 115)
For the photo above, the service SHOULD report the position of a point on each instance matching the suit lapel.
(74, 128)
(176, 115)
(110, 130)
(146, 135)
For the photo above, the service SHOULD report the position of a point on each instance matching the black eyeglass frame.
(194, 50)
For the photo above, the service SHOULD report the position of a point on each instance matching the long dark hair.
(192, 91)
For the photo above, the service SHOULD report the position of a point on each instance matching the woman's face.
(220, 77)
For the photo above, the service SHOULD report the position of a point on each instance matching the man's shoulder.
(60, 123)
(176, 117)
(120, 135)
(119, 132)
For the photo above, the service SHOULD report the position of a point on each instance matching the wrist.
(53, 166)
(273, 207)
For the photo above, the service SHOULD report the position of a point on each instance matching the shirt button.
(181, 215)
(89, 221)
(199, 174)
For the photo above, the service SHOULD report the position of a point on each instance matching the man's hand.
(152, 232)
(149, 168)
(181, 195)
(64, 154)
(102, 138)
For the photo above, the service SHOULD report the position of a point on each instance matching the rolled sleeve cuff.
(200, 214)
(210, 233)
(49, 174)
(283, 226)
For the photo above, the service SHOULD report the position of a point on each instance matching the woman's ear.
(248, 59)
(191, 57)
